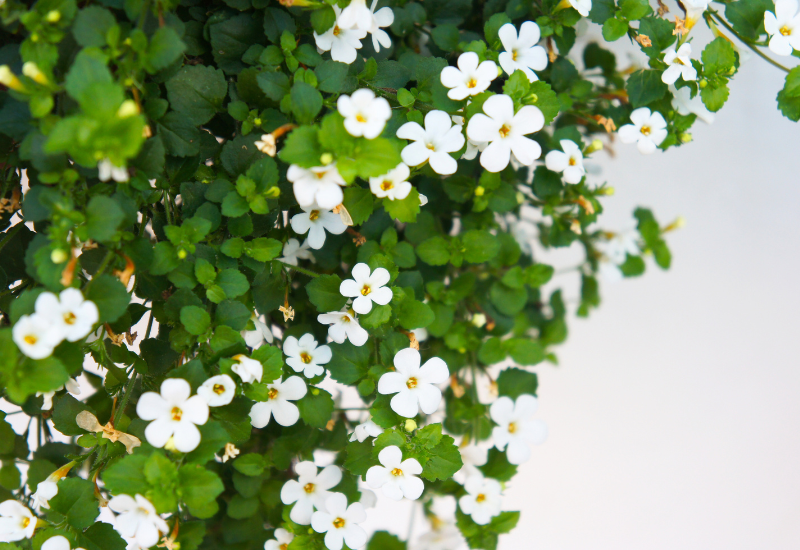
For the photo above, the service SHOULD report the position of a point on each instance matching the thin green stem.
(302, 270)
(747, 42)
(126, 395)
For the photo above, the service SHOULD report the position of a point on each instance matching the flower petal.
(405, 404)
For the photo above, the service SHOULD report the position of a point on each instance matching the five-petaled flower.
(515, 428)
(396, 476)
(16, 521)
(310, 490)
(282, 540)
(72, 315)
(505, 131)
(679, 65)
(280, 395)
(293, 252)
(249, 370)
(470, 78)
(365, 430)
(340, 40)
(415, 386)
(433, 144)
(138, 520)
(174, 414)
(364, 114)
(483, 499)
(784, 27)
(261, 332)
(305, 355)
(315, 221)
(522, 53)
(321, 185)
(648, 130)
(570, 162)
(217, 390)
(393, 185)
(582, 6)
(384, 17)
(35, 336)
(367, 288)
(344, 326)
(340, 522)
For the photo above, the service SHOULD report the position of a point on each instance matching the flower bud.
(479, 319)
(53, 16)
(32, 71)
(128, 108)
(410, 425)
(595, 145)
(703, 83)
(479, 191)
(58, 256)
(520, 197)
(10, 80)
(273, 192)
(182, 254)
(326, 159)
(685, 138)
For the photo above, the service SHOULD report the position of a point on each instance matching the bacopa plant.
(266, 265)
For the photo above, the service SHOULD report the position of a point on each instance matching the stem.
(101, 269)
(302, 270)
(747, 42)
(8, 235)
(126, 395)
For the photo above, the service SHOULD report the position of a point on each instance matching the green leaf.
(359, 458)
(492, 27)
(301, 148)
(179, 134)
(316, 408)
(508, 300)
(789, 97)
(718, 57)
(127, 475)
(332, 77)
(161, 474)
(714, 97)
(250, 464)
(479, 246)
(498, 467)
(538, 274)
(263, 249)
(513, 382)
(358, 202)
(100, 536)
(446, 37)
(65, 410)
(197, 92)
(747, 16)
(195, 319)
(323, 291)
(375, 157)
(199, 488)
(524, 351)
(91, 26)
(444, 462)
(75, 503)
(275, 85)
(306, 102)
(434, 251)
(633, 10)
(103, 218)
(349, 363)
(165, 48)
(404, 210)
(545, 99)
(232, 282)
(614, 29)
(645, 86)
(659, 31)
(383, 540)
(233, 314)
(323, 19)
(414, 314)
(110, 296)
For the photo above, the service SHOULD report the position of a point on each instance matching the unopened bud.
(679, 222)
(170, 445)
(53, 16)
(595, 145)
(326, 159)
(410, 425)
(128, 108)
(182, 254)
(315, 391)
(607, 191)
(479, 191)
(479, 319)
(531, 98)
(10, 80)
(703, 83)
(32, 71)
(273, 192)
(58, 256)
(520, 197)
(685, 138)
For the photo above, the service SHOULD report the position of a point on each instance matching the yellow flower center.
(30, 339)
(360, 118)
(472, 83)
(431, 146)
(320, 175)
(411, 383)
(512, 427)
(480, 498)
(176, 414)
(645, 130)
(305, 358)
(308, 488)
(313, 215)
(786, 31)
(345, 319)
(26, 522)
(572, 161)
(338, 523)
(272, 393)
(69, 318)
(386, 185)
(397, 472)
(283, 546)
(219, 389)
(678, 61)
(514, 55)
(336, 30)
(365, 290)
(504, 130)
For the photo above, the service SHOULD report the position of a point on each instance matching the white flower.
(293, 252)
(515, 428)
(365, 430)
(281, 540)
(261, 332)
(36, 336)
(355, 15)
(340, 40)
(473, 147)
(694, 10)
(393, 184)
(384, 17)
(784, 27)
(305, 355)
(279, 403)
(248, 369)
(47, 402)
(364, 114)
(218, 390)
(582, 6)
(648, 130)
(138, 520)
(73, 316)
(444, 535)
(344, 325)
(470, 78)
(432, 143)
(340, 522)
(45, 490)
(57, 543)
(367, 288)
(174, 415)
(414, 385)
(522, 53)
(315, 221)
(680, 65)
(685, 104)
(310, 490)
(472, 456)
(16, 522)
(483, 499)
(570, 162)
(320, 185)
(396, 476)
(505, 131)
(368, 498)
(108, 171)
(615, 252)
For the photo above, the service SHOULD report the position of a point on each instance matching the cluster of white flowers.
(67, 316)
(783, 26)
(351, 26)
(615, 252)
